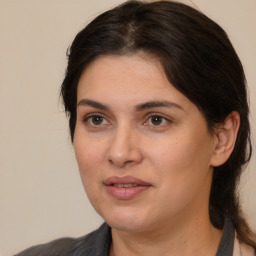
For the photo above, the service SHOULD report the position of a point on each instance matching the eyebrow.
(155, 104)
(140, 107)
(92, 103)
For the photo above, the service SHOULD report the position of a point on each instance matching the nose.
(124, 149)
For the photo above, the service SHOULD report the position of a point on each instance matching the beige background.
(41, 196)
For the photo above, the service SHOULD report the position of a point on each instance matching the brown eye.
(156, 120)
(96, 120)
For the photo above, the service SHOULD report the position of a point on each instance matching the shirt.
(97, 243)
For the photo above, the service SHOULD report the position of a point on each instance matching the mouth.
(124, 185)
(125, 180)
(125, 188)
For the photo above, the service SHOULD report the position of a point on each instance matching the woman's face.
(143, 148)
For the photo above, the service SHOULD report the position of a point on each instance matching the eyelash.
(162, 118)
(88, 118)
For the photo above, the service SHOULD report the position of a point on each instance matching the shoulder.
(94, 243)
(57, 247)
(242, 249)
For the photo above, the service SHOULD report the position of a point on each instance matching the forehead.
(127, 78)
(132, 67)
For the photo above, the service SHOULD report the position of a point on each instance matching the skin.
(167, 146)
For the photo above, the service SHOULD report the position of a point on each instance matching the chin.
(126, 219)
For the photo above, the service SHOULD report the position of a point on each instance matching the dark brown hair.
(198, 60)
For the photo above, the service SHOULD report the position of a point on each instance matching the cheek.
(90, 162)
(172, 154)
(189, 149)
(90, 154)
(89, 151)
(183, 163)
(183, 180)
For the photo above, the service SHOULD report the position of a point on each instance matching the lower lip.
(126, 193)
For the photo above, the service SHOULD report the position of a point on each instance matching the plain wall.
(41, 196)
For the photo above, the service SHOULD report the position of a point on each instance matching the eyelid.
(167, 119)
(158, 114)
(90, 115)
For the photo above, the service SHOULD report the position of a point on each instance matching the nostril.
(128, 162)
(124, 151)
(120, 163)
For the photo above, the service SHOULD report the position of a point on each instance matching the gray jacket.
(98, 243)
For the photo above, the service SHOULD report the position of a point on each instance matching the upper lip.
(125, 180)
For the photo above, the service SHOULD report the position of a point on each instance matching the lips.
(125, 188)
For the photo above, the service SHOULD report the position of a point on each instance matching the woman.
(158, 116)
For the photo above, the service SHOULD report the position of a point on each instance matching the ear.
(225, 139)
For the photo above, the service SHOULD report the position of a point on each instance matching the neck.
(195, 237)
